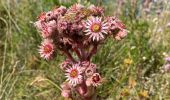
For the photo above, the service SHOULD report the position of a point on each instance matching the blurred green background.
(133, 67)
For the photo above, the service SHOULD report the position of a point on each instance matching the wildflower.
(94, 80)
(76, 27)
(66, 90)
(43, 27)
(144, 94)
(128, 61)
(90, 70)
(66, 93)
(62, 25)
(95, 28)
(167, 67)
(132, 83)
(73, 75)
(96, 10)
(52, 24)
(59, 11)
(66, 64)
(120, 35)
(75, 8)
(77, 32)
(42, 16)
(84, 13)
(116, 23)
(39, 25)
(49, 15)
(167, 59)
(46, 49)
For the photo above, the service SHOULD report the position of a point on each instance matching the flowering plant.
(77, 30)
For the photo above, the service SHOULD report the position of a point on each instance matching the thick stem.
(78, 53)
(69, 56)
(86, 93)
(93, 51)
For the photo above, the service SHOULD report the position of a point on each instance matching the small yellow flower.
(132, 83)
(125, 92)
(144, 94)
(128, 61)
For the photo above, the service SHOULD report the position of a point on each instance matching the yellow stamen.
(74, 73)
(47, 49)
(96, 28)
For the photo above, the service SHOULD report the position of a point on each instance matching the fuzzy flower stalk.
(77, 30)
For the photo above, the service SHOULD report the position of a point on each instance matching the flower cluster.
(82, 76)
(79, 30)
(167, 65)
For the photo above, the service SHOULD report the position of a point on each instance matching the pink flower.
(75, 8)
(42, 16)
(167, 67)
(96, 10)
(62, 25)
(167, 59)
(120, 35)
(49, 15)
(39, 25)
(59, 11)
(96, 28)
(43, 27)
(73, 75)
(66, 90)
(52, 24)
(94, 80)
(46, 49)
(66, 64)
(88, 82)
(76, 27)
(66, 93)
(115, 23)
(90, 70)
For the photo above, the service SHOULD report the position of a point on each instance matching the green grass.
(23, 74)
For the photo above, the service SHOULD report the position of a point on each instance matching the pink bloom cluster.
(77, 30)
(167, 64)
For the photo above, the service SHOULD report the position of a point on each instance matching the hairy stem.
(92, 52)
(69, 56)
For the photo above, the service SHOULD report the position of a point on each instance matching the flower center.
(74, 73)
(47, 48)
(96, 78)
(96, 27)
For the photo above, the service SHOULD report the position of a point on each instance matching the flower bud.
(49, 15)
(88, 82)
(167, 59)
(66, 93)
(167, 67)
